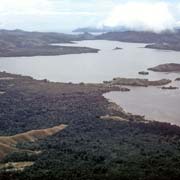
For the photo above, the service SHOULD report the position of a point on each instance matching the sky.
(66, 15)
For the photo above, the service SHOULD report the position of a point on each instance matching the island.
(170, 67)
(137, 82)
(164, 46)
(177, 79)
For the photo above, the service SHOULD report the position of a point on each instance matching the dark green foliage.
(20, 157)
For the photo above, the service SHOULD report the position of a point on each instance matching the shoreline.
(99, 88)
(49, 51)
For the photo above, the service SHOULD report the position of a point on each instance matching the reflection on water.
(105, 65)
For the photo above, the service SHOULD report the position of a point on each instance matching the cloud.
(156, 16)
(49, 14)
(70, 14)
(11, 7)
(50, 7)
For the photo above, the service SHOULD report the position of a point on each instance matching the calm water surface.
(153, 102)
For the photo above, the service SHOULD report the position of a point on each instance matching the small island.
(169, 88)
(143, 73)
(117, 48)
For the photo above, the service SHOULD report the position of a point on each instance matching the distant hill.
(142, 36)
(165, 40)
(23, 43)
(102, 29)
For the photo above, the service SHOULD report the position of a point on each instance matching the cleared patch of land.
(114, 118)
(8, 143)
(15, 166)
(6, 78)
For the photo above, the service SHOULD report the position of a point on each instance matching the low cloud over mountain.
(154, 16)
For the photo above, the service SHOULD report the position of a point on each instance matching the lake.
(156, 104)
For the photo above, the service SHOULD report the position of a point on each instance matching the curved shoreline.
(55, 87)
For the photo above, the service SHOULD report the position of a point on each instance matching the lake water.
(157, 104)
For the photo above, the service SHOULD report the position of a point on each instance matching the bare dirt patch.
(6, 78)
(15, 166)
(8, 143)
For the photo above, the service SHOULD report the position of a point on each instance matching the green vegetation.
(89, 148)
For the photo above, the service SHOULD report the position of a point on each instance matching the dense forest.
(90, 147)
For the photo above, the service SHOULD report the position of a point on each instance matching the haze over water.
(156, 104)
